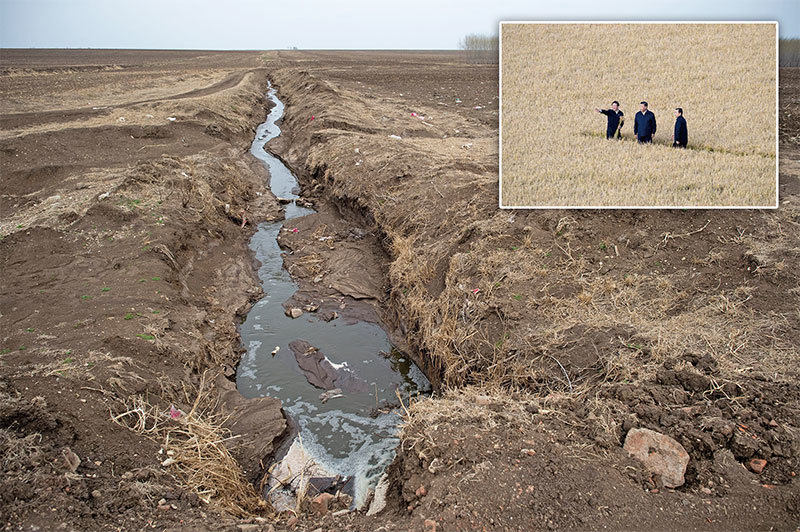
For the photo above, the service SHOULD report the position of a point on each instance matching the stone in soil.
(757, 465)
(71, 459)
(659, 453)
(319, 504)
(294, 313)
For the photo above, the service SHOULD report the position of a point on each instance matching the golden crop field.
(554, 151)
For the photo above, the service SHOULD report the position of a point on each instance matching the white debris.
(398, 137)
(171, 118)
(379, 501)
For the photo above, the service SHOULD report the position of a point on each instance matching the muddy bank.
(679, 322)
(125, 271)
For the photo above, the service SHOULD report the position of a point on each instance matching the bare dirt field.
(125, 267)
(548, 335)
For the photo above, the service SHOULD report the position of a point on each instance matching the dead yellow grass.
(196, 447)
(554, 151)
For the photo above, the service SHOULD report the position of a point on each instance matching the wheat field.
(554, 152)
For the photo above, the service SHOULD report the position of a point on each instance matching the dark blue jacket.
(681, 132)
(613, 121)
(644, 125)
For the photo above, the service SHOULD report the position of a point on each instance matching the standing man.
(644, 124)
(681, 136)
(615, 120)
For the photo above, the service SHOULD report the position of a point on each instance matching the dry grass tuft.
(17, 453)
(196, 447)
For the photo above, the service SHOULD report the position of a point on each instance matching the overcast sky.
(343, 24)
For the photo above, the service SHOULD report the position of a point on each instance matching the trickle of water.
(344, 436)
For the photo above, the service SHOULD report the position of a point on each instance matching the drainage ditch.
(336, 379)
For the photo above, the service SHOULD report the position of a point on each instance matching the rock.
(311, 307)
(284, 201)
(757, 465)
(421, 491)
(294, 312)
(319, 504)
(96, 494)
(430, 525)
(292, 521)
(70, 459)
(659, 453)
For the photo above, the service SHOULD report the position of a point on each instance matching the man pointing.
(615, 120)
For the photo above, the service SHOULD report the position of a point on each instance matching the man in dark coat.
(615, 120)
(681, 136)
(644, 124)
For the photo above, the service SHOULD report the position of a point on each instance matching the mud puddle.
(351, 433)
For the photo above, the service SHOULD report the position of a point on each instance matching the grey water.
(345, 435)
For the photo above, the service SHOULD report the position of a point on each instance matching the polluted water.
(344, 438)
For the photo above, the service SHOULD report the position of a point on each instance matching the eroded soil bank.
(559, 331)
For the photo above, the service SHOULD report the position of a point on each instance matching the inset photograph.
(638, 115)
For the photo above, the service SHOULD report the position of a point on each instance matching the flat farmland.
(554, 151)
